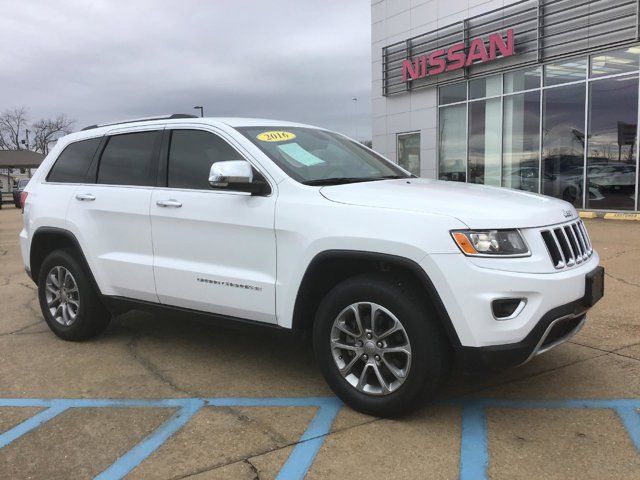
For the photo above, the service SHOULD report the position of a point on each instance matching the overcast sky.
(100, 61)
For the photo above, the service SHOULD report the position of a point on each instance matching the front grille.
(568, 244)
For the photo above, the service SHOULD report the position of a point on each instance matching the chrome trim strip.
(538, 348)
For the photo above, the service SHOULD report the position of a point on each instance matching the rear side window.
(73, 163)
(129, 159)
(191, 154)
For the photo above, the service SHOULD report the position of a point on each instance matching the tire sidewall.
(427, 354)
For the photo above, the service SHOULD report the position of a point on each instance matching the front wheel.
(379, 345)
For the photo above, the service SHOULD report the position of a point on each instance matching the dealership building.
(537, 95)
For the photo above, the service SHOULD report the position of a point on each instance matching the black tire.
(92, 317)
(430, 351)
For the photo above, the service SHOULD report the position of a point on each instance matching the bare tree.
(13, 122)
(47, 131)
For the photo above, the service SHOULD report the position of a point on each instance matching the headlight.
(480, 243)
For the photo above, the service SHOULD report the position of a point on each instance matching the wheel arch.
(333, 266)
(48, 239)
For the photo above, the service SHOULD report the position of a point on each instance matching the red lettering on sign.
(477, 52)
(411, 69)
(496, 41)
(455, 57)
(437, 62)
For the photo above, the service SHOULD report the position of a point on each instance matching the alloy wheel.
(62, 295)
(371, 348)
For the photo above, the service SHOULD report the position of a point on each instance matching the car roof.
(234, 122)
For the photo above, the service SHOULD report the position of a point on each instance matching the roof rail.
(164, 117)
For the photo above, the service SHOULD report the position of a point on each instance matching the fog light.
(505, 308)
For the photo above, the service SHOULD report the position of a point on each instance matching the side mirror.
(235, 175)
(230, 173)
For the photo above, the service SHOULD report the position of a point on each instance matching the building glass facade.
(525, 129)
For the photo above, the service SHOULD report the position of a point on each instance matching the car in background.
(18, 188)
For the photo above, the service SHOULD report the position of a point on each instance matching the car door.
(214, 250)
(111, 216)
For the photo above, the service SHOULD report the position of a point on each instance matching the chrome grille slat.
(574, 243)
(568, 245)
(586, 237)
(581, 247)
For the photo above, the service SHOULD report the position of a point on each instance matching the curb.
(611, 215)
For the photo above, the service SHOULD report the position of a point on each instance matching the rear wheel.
(70, 305)
(379, 345)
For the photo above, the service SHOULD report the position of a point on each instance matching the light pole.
(201, 108)
(355, 115)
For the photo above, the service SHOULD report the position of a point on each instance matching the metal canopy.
(20, 159)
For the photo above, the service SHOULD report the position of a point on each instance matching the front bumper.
(555, 306)
(554, 328)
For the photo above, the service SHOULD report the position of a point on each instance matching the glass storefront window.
(611, 157)
(452, 153)
(485, 141)
(525, 129)
(522, 80)
(611, 63)
(409, 152)
(453, 93)
(521, 141)
(563, 143)
(485, 87)
(565, 72)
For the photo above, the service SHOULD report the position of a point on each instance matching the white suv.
(300, 228)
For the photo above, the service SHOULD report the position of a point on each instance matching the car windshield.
(318, 157)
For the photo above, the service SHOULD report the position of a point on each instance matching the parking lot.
(160, 397)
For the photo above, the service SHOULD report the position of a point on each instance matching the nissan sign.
(455, 57)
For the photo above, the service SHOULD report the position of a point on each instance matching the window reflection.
(522, 80)
(484, 142)
(565, 72)
(453, 93)
(499, 140)
(409, 152)
(611, 162)
(611, 63)
(453, 143)
(563, 143)
(485, 87)
(521, 141)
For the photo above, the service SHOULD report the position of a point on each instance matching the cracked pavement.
(159, 356)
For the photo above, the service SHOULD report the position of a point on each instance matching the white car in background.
(300, 228)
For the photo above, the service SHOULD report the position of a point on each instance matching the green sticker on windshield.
(299, 154)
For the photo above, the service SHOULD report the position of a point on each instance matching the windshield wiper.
(343, 180)
(339, 180)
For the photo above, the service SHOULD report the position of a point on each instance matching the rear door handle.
(85, 197)
(169, 203)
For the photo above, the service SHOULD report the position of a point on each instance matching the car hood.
(477, 206)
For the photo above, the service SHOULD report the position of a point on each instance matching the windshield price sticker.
(275, 136)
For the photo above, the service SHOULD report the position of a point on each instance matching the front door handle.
(85, 197)
(169, 203)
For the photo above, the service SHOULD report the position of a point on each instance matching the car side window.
(130, 159)
(74, 161)
(191, 154)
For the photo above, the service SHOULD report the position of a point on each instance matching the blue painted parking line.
(474, 449)
(295, 467)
